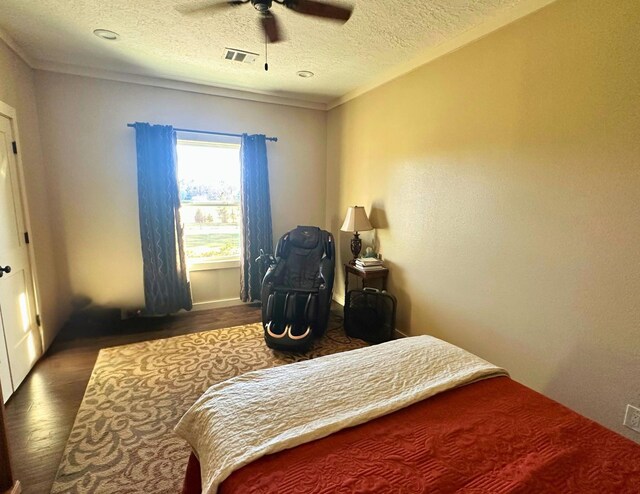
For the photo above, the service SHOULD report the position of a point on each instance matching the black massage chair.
(296, 290)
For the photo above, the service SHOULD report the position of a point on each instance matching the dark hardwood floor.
(41, 412)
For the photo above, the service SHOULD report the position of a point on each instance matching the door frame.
(10, 112)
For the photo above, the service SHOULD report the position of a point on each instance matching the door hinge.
(26, 237)
(38, 320)
(14, 145)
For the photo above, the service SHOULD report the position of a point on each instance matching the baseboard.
(399, 334)
(16, 489)
(217, 304)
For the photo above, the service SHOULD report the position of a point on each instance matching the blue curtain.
(166, 281)
(256, 214)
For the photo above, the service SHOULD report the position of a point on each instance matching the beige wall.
(215, 288)
(92, 159)
(505, 179)
(17, 90)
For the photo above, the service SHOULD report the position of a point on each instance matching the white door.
(17, 302)
(5, 373)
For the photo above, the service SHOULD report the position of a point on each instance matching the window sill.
(213, 265)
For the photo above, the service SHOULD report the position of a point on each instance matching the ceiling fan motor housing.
(261, 5)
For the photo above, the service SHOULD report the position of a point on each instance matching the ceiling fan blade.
(209, 7)
(270, 27)
(320, 9)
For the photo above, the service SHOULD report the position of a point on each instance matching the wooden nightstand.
(378, 274)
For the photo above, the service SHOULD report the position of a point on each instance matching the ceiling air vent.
(234, 55)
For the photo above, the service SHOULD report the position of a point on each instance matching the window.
(209, 183)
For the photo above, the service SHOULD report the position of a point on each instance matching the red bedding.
(493, 436)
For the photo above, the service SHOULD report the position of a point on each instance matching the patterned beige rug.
(122, 440)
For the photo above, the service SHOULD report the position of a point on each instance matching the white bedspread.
(262, 412)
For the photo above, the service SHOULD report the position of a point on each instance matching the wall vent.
(235, 55)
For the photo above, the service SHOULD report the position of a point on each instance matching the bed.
(486, 434)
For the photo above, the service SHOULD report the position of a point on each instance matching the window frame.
(214, 141)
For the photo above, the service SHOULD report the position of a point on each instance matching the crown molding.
(432, 53)
(15, 47)
(192, 87)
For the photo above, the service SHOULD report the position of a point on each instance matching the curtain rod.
(208, 132)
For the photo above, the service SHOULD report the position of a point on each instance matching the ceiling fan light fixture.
(106, 34)
(305, 74)
(261, 5)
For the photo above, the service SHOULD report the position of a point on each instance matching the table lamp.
(356, 221)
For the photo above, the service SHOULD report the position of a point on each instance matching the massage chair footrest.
(289, 345)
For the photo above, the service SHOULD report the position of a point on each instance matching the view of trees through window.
(209, 182)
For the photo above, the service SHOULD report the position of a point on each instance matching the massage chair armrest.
(326, 274)
(268, 281)
(273, 273)
(269, 276)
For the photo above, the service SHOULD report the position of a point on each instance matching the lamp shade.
(356, 220)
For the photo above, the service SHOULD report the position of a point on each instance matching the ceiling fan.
(268, 21)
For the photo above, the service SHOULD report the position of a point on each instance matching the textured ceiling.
(156, 40)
